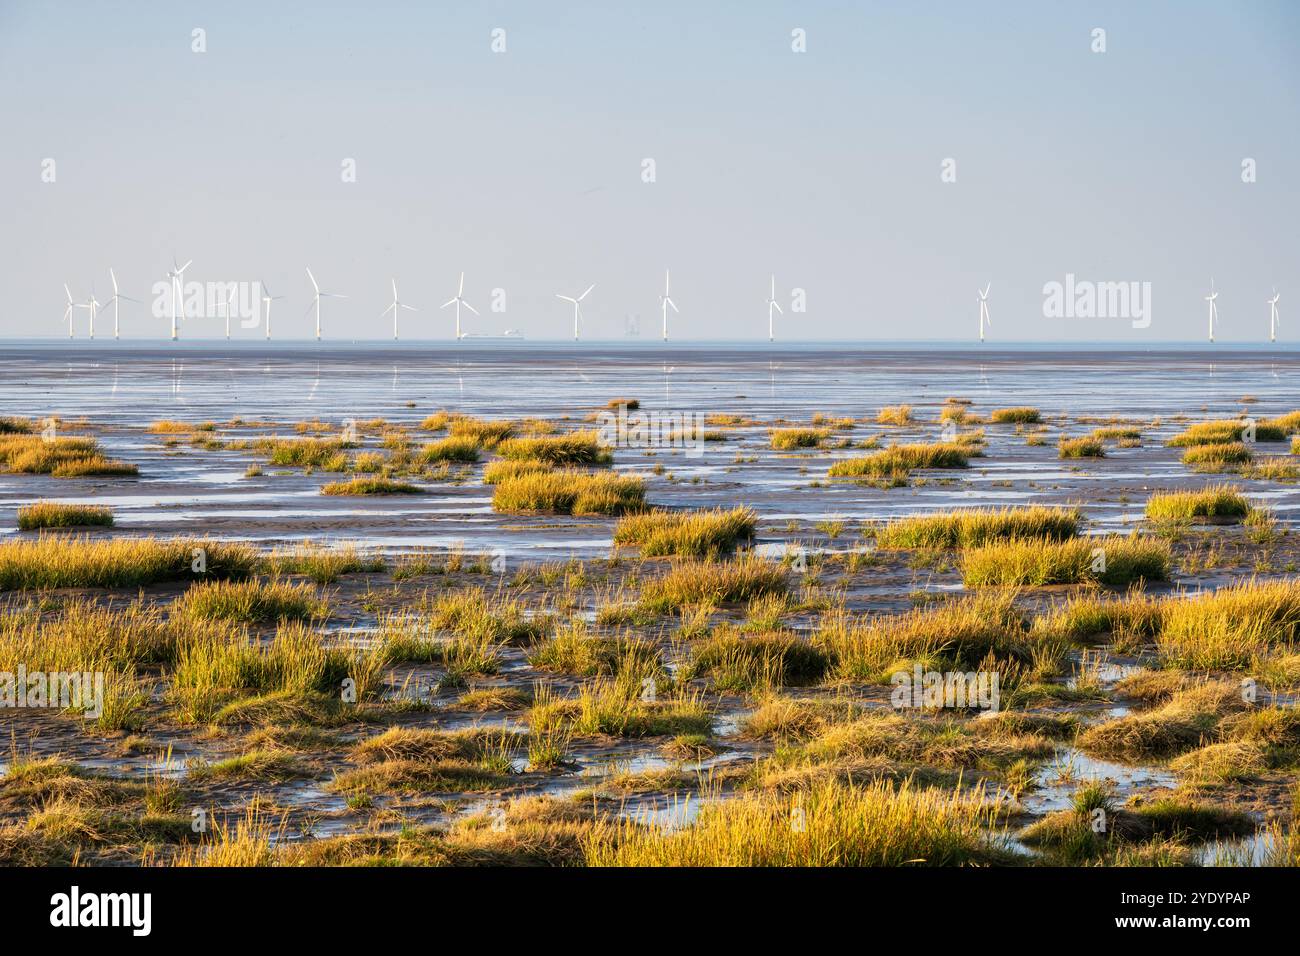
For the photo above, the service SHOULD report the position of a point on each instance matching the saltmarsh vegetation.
(568, 492)
(497, 471)
(572, 448)
(453, 448)
(1148, 833)
(618, 707)
(49, 514)
(69, 562)
(370, 486)
(788, 439)
(324, 565)
(1216, 501)
(696, 534)
(1084, 447)
(986, 628)
(251, 602)
(69, 457)
(1217, 457)
(691, 584)
(899, 460)
(976, 526)
(894, 415)
(1227, 432)
(1237, 627)
(1111, 560)
(326, 454)
(879, 824)
(1020, 415)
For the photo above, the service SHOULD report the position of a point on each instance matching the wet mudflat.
(518, 696)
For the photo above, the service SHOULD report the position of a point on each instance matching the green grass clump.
(496, 471)
(831, 824)
(961, 633)
(1131, 619)
(712, 583)
(322, 565)
(480, 431)
(574, 448)
(1217, 457)
(1226, 432)
(695, 534)
(786, 439)
(77, 562)
(1117, 433)
(1216, 501)
(894, 415)
(900, 459)
(743, 663)
(455, 448)
(305, 452)
(370, 486)
(212, 672)
(473, 612)
(251, 602)
(15, 426)
(575, 650)
(1182, 723)
(568, 492)
(1021, 415)
(971, 527)
(48, 514)
(1112, 560)
(72, 457)
(1231, 628)
(1080, 448)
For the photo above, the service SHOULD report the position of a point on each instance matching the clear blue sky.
(524, 168)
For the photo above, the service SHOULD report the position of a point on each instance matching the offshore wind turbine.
(984, 309)
(577, 308)
(92, 306)
(666, 301)
(113, 301)
(315, 302)
(1273, 320)
(177, 276)
(458, 300)
(227, 305)
(267, 299)
(1214, 307)
(68, 309)
(396, 307)
(772, 304)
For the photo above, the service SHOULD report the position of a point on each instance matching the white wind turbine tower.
(68, 309)
(458, 301)
(267, 299)
(1273, 320)
(177, 276)
(227, 307)
(984, 309)
(92, 306)
(396, 307)
(665, 301)
(577, 308)
(113, 301)
(1214, 308)
(772, 304)
(315, 302)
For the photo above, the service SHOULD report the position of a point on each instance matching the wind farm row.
(264, 299)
